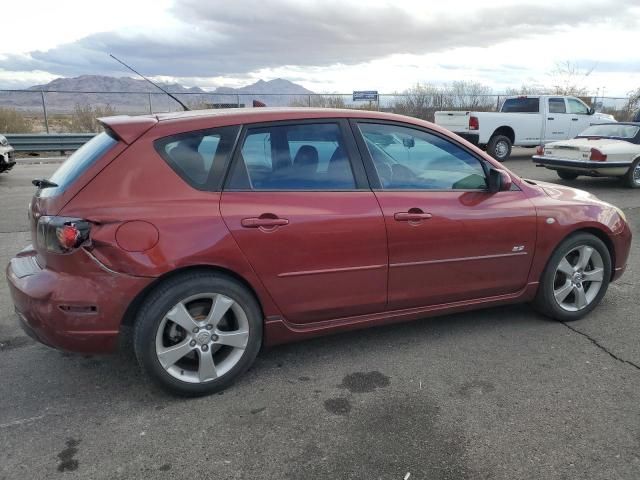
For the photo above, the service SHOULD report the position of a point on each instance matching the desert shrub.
(320, 101)
(12, 121)
(84, 118)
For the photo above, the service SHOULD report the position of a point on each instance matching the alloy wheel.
(202, 337)
(578, 278)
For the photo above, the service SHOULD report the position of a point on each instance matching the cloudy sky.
(325, 45)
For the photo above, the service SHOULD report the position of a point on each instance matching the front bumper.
(584, 167)
(74, 312)
(622, 248)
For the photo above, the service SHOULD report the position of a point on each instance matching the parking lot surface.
(502, 393)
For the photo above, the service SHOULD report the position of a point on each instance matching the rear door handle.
(574, 119)
(264, 222)
(411, 216)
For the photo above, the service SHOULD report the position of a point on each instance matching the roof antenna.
(154, 84)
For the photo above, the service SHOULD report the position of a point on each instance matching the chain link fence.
(34, 111)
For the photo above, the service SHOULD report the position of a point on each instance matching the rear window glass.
(611, 130)
(199, 157)
(521, 105)
(78, 163)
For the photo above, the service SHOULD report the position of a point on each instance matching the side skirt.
(278, 330)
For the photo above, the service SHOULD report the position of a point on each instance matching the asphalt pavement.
(501, 393)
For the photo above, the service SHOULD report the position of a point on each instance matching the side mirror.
(592, 110)
(499, 180)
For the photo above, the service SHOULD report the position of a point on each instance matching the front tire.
(575, 278)
(566, 175)
(499, 147)
(632, 178)
(196, 333)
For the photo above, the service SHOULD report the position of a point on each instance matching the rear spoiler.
(126, 128)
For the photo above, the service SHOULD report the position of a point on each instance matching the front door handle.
(549, 118)
(574, 119)
(264, 222)
(411, 216)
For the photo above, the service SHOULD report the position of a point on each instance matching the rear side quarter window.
(200, 157)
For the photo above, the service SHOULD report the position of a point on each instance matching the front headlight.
(621, 213)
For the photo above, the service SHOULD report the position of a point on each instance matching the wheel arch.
(130, 314)
(600, 234)
(506, 131)
(596, 232)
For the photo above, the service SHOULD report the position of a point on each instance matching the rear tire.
(632, 177)
(499, 147)
(566, 175)
(575, 279)
(196, 333)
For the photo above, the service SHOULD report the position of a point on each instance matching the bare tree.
(527, 89)
(568, 78)
(466, 95)
(631, 107)
(420, 101)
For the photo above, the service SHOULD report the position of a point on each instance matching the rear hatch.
(453, 121)
(75, 173)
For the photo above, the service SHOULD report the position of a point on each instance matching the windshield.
(78, 163)
(611, 130)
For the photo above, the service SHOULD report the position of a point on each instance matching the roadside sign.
(366, 95)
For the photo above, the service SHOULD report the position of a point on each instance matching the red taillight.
(68, 236)
(540, 150)
(597, 155)
(474, 124)
(62, 234)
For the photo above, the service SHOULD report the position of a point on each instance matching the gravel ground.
(500, 393)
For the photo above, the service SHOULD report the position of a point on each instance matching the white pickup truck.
(525, 121)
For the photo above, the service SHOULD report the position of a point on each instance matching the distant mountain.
(279, 85)
(101, 83)
(136, 98)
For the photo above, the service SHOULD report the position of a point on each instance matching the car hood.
(604, 116)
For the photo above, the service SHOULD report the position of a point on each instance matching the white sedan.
(605, 150)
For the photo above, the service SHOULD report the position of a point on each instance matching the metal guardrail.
(54, 142)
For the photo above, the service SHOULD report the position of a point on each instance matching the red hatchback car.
(215, 232)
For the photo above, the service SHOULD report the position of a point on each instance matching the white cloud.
(329, 45)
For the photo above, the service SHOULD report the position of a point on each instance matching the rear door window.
(521, 105)
(78, 163)
(293, 157)
(557, 105)
(199, 157)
